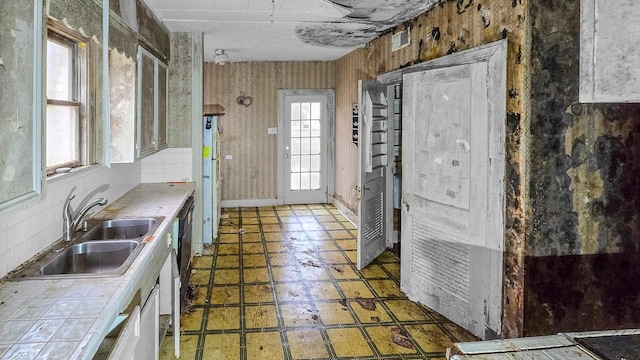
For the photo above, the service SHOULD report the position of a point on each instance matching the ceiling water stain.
(365, 22)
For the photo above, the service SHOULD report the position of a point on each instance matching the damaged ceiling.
(286, 30)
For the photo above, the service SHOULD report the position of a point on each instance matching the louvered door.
(373, 174)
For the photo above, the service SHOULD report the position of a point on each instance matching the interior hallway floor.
(281, 283)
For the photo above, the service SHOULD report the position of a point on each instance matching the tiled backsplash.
(173, 164)
(29, 228)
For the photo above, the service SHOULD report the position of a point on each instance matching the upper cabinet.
(152, 104)
(609, 55)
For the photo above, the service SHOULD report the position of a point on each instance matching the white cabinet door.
(148, 346)
(125, 346)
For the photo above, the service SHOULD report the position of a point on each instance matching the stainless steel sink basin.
(120, 229)
(95, 257)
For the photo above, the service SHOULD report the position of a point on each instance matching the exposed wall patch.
(336, 34)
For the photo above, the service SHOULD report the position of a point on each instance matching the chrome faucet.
(71, 220)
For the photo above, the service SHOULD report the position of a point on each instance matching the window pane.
(305, 163)
(59, 71)
(305, 129)
(62, 134)
(295, 111)
(315, 145)
(315, 111)
(295, 163)
(305, 181)
(305, 111)
(315, 128)
(295, 129)
(315, 181)
(295, 146)
(295, 181)
(305, 146)
(315, 163)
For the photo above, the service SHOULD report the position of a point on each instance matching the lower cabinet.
(149, 344)
(126, 342)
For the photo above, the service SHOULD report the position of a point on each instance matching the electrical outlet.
(228, 157)
(272, 131)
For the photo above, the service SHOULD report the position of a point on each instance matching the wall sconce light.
(221, 58)
(244, 100)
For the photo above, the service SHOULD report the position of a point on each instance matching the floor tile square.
(429, 337)
(306, 344)
(351, 244)
(226, 276)
(387, 257)
(323, 291)
(222, 346)
(254, 260)
(275, 236)
(334, 314)
(277, 246)
(312, 227)
(301, 314)
(320, 212)
(199, 277)
(352, 255)
(284, 213)
(406, 310)
(348, 225)
(260, 317)
(355, 289)
(209, 250)
(225, 295)
(251, 237)
(318, 235)
(373, 271)
(267, 213)
(292, 227)
(249, 229)
(227, 261)
(250, 220)
(386, 288)
(192, 321)
(326, 245)
(334, 257)
(311, 272)
(269, 220)
(349, 342)
(228, 249)
(252, 248)
(260, 293)
(295, 236)
(264, 345)
(379, 315)
(255, 275)
(394, 269)
(460, 334)
(229, 238)
(326, 218)
(271, 227)
(229, 229)
(200, 262)
(292, 292)
(354, 233)
(249, 213)
(286, 274)
(333, 226)
(340, 234)
(289, 220)
(223, 318)
(200, 297)
(343, 272)
(381, 336)
(188, 347)
(281, 259)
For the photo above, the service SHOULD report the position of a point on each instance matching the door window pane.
(305, 130)
(305, 146)
(305, 181)
(315, 128)
(295, 146)
(315, 146)
(295, 163)
(305, 163)
(315, 111)
(315, 180)
(295, 129)
(295, 111)
(305, 111)
(295, 181)
(315, 163)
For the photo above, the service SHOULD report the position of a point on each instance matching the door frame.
(330, 140)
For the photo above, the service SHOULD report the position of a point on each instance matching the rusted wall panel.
(584, 235)
(252, 173)
(449, 27)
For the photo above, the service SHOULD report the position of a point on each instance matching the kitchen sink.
(95, 257)
(120, 229)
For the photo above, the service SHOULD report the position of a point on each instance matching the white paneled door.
(304, 148)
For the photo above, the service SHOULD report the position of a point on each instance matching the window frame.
(82, 83)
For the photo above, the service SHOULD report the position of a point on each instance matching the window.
(67, 81)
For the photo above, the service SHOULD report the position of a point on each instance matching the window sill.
(76, 170)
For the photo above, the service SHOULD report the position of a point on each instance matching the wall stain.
(435, 33)
(513, 93)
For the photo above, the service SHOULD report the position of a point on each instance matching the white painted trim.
(106, 94)
(249, 203)
(345, 211)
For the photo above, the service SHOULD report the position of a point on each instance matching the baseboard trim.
(345, 211)
(248, 203)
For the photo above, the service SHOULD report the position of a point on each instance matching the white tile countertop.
(68, 318)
